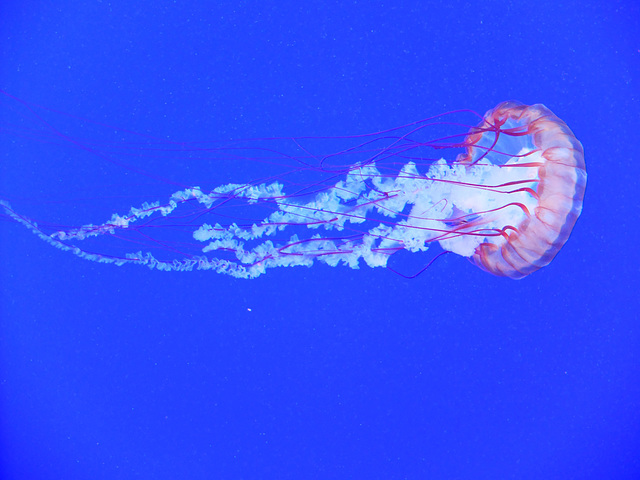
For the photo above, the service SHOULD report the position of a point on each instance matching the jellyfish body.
(508, 204)
(561, 177)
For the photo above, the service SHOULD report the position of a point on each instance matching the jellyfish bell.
(552, 180)
(508, 203)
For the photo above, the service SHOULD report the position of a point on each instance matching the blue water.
(123, 372)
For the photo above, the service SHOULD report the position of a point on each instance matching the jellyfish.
(508, 203)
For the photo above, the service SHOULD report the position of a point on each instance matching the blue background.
(111, 372)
